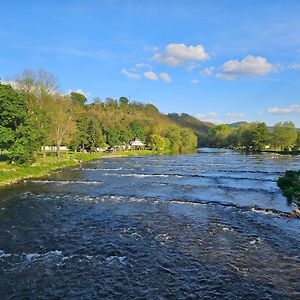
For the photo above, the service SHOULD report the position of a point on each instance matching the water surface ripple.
(198, 226)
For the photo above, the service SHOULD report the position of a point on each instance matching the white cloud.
(130, 75)
(150, 75)
(195, 81)
(207, 72)
(251, 66)
(165, 77)
(142, 65)
(190, 67)
(205, 118)
(292, 109)
(86, 94)
(294, 66)
(153, 49)
(210, 114)
(179, 54)
(235, 115)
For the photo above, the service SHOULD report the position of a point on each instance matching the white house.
(54, 148)
(136, 144)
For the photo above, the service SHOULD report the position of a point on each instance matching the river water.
(198, 226)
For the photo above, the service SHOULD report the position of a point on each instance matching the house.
(136, 144)
(54, 148)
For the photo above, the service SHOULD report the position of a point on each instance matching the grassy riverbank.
(11, 173)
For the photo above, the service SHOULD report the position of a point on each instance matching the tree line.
(33, 113)
(283, 136)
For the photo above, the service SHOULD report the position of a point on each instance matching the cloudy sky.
(219, 60)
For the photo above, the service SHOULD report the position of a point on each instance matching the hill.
(200, 128)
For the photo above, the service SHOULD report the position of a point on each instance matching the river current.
(209, 225)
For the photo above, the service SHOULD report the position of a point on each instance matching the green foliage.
(78, 98)
(114, 137)
(174, 137)
(7, 137)
(12, 108)
(250, 137)
(136, 130)
(123, 101)
(219, 134)
(200, 128)
(35, 114)
(290, 185)
(284, 135)
(255, 137)
(157, 142)
(188, 140)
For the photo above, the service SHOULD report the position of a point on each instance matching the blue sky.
(219, 60)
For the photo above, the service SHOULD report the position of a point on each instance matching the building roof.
(136, 142)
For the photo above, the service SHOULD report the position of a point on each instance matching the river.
(199, 226)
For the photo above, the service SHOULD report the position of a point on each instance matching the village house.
(136, 144)
(54, 148)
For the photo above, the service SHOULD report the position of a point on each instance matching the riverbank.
(293, 152)
(11, 173)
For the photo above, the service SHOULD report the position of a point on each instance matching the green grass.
(12, 173)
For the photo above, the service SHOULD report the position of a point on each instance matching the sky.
(219, 60)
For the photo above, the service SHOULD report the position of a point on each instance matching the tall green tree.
(284, 135)
(78, 98)
(255, 137)
(157, 142)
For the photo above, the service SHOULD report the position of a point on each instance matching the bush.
(290, 185)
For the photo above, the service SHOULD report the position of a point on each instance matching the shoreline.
(12, 174)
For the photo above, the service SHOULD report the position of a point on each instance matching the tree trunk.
(58, 149)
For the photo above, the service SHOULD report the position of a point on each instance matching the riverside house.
(136, 144)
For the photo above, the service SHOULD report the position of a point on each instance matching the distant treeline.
(33, 113)
(242, 135)
(255, 137)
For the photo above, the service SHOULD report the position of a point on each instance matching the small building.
(54, 148)
(136, 144)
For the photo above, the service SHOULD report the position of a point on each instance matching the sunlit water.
(198, 226)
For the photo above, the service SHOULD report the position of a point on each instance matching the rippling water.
(198, 226)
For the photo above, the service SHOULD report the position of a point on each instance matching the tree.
(284, 135)
(298, 140)
(95, 137)
(188, 140)
(7, 137)
(255, 137)
(113, 137)
(40, 83)
(218, 135)
(62, 123)
(136, 130)
(12, 107)
(123, 101)
(173, 135)
(19, 134)
(157, 142)
(78, 98)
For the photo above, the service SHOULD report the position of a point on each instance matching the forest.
(34, 113)
(257, 136)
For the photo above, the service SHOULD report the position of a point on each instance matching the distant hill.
(237, 124)
(200, 128)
